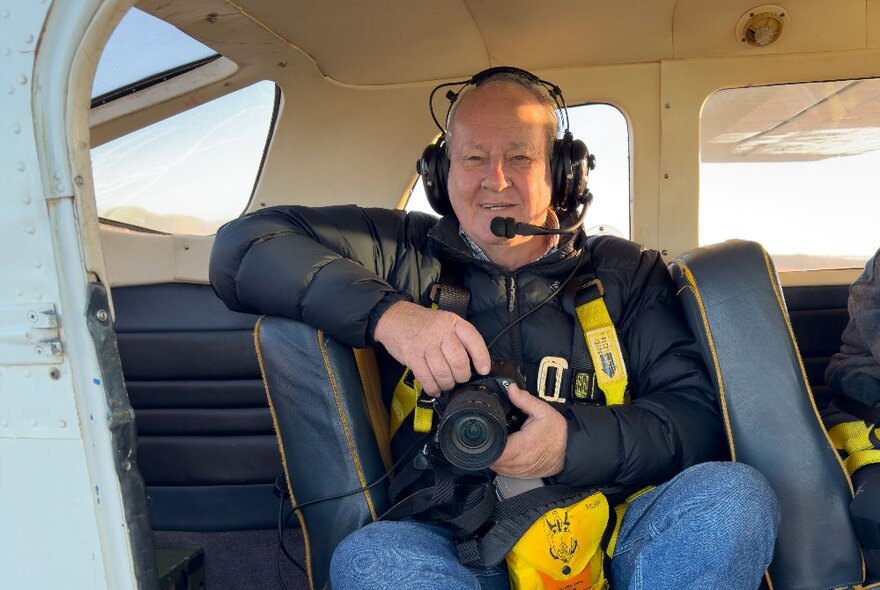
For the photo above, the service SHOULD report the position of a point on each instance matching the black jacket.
(331, 266)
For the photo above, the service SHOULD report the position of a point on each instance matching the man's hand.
(538, 448)
(438, 346)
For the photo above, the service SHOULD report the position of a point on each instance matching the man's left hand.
(538, 448)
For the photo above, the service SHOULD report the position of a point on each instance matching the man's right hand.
(437, 346)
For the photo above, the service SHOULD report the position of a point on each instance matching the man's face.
(499, 161)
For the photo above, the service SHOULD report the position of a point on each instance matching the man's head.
(499, 141)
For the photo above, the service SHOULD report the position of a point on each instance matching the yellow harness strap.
(860, 441)
(604, 347)
(408, 398)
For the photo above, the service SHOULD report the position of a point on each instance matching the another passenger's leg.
(399, 555)
(714, 525)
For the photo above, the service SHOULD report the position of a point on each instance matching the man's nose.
(495, 179)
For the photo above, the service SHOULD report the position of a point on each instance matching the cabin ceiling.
(380, 42)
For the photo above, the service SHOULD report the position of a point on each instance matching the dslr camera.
(477, 416)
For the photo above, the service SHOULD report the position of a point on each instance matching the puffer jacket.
(331, 266)
(855, 370)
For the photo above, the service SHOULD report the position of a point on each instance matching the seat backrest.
(734, 305)
(328, 416)
(206, 448)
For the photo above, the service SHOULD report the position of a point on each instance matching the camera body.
(477, 416)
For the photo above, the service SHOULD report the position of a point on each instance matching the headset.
(570, 160)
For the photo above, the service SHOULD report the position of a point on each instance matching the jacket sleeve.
(327, 266)
(673, 420)
(855, 370)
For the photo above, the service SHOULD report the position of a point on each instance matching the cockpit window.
(144, 48)
(793, 167)
(192, 172)
(604, 129)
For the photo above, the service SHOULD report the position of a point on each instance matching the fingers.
(425, 377)
(475, 346)
(440, 369)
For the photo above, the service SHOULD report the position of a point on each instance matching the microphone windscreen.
(503, 227)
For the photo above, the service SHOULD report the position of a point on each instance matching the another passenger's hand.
(438, 346)
(538, 448)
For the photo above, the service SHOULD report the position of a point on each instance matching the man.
(356, 273)
(854, 375)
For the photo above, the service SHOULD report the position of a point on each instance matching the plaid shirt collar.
(551, 223)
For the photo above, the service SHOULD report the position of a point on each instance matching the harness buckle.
(559, 364)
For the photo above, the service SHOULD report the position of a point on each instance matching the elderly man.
(364, 277)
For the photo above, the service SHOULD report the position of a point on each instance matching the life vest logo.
(561, 542)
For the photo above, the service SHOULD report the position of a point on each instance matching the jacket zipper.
(515, 333)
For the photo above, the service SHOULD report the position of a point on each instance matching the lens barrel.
(473, 431)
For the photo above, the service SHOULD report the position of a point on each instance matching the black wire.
(552, 294)
(282, 522)
(451, 100)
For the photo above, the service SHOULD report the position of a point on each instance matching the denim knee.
(396, 555)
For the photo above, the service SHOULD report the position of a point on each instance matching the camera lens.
(473, 430)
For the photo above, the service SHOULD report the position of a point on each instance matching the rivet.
(10, 89)
(212, 18)
(19, 292)
(38, 264)
(666, 175)
(282, 64)
(126, 464)
(28, 38)
(62, 424)
(58, 175)
(55, 373)
(7, 51)
(30, 230)
(32, 316)
(37, 350)
(667, 106)
(22, 79)
(101, 314)
(33, 422)
(4, 423)
(16, 128)
(664, 252)
(38, 296)
(26, 200)
(20, 166)
(59, 187)
(79, 180)
(186, 246)
(5, 14)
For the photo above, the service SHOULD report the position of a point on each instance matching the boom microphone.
(508, 227)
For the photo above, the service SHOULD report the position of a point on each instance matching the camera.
(477, 416)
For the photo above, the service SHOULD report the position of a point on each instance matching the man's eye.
(521, 159)
(473, 159)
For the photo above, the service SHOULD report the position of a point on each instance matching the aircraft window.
(192, 172)
(604, 129)
(125, 62)
(793, 167)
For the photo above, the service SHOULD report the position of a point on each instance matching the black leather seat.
(325, 453)
(734, 304)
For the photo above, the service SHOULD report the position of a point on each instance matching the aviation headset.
(570, 161)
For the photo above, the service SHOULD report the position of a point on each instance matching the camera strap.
(446, 294)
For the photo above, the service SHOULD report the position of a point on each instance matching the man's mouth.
(496, 207)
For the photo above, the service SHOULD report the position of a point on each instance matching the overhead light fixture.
(762, 26)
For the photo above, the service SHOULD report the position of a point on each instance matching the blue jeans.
(712, 526)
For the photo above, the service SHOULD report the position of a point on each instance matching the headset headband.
(480, 78)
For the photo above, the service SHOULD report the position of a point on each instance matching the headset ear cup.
(434, 170)
(569, 173)
(579, 193)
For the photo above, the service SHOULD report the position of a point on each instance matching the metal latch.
(29, 334)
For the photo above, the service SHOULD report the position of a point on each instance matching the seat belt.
(408, 398)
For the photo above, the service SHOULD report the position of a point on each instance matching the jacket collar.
(446, 233)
